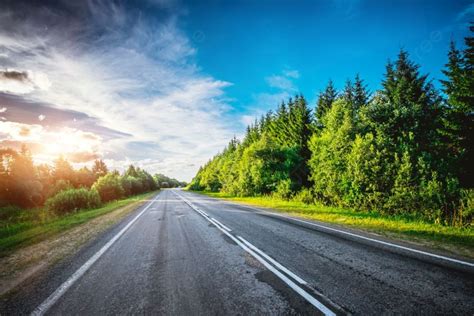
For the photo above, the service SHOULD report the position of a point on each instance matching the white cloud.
(468, 12)
(22, 82)
(262, 102)
(3, 109)
(138, 78)
(280, 82)
(295, 74)
(41, 117)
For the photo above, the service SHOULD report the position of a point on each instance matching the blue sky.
(165, 84)
(245, 42)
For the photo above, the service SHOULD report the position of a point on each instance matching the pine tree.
(349, 93)
(361, 95)
(63, 170)
(100, 168)
(459, 121)
(325, 101)
(132, 171)
(411, 105)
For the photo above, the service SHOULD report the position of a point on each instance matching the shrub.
(72, 200)
(283, 189)
(109, 187)
(305, 196)
(466, 208)
(59, 186)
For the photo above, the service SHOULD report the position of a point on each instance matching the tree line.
(62, 188)
(406, 148)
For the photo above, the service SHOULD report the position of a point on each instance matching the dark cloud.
(21, 76)
(24, 111)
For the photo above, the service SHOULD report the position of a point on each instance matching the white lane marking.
(429, 254)
(308, 297)
(53, 298)
(223, 226)
(275, 263)
(381, 242)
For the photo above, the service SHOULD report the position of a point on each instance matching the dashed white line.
(250, 249)
(56, 295)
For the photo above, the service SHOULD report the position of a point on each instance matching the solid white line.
(360, 237)
(275, 263)
(223, 226)
(380, 241)
(308, 297)
(53, 298)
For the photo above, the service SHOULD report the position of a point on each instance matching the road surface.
(187, 254)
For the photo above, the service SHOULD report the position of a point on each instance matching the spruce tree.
(325, 101)
(361, 95)
(349, 93)
(459, 120)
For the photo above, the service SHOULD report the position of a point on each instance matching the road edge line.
(62, 289)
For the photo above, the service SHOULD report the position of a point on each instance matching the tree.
(85, 178)
(24, 188)
(100, 168)
(348, 93)
(329, 150)
(392, 151)
(459, 118)
(325, 101)
(361, 94)
(63, 170)
(109, 187)
(131, 171)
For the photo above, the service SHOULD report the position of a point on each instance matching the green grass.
(458, 240)
(19, 228)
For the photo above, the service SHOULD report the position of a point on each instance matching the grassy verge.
(456, 240)
(20, 228)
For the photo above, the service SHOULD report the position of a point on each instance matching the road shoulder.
(25, 263)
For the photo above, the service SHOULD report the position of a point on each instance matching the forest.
(406, 148)
(62, 189)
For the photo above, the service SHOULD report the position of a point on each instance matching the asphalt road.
(186, 254)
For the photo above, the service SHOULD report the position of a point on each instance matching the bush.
(305, 196)
(109, 187)
(283, 189)
(59, 186)
(72, 200)
(131, 185)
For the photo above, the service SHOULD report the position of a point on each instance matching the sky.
(165, 84)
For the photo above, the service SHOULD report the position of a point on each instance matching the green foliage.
(403, 151)
(59, 186)
(72, 200)
(21, 227)
(109, 187)
(459, 116)
(330, 148)
(163, 181)
(283, 190)
(100, 168)
(325, 101)
(305, 196)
